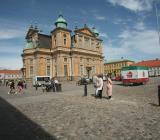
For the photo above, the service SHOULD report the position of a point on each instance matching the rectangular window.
(81, 70)
(48, 61)
(65, 70)
(31, 70)
(86, 41)
(81, 59)
(65, 59)
(48, 70)
(31, 61)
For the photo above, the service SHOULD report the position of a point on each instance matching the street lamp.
(159, 45)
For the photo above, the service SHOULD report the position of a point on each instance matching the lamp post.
(159, 46)
(23, 72)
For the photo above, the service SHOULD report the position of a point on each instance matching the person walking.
(12, 87)
(109, 88)
(20, 87)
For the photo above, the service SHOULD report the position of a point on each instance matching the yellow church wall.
(85, 47)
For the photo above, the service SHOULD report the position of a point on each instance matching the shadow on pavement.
(152, 104)
(16, 126)
(131, 85)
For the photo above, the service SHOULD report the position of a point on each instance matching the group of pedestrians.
(18, 89)
(49, 85)
(99, 85)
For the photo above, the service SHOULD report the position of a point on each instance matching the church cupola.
(61, 22)
(94, 30)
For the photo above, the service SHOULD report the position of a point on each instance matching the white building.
(154, 66)
(10, 74)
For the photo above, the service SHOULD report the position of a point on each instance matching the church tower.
(60, 48)
(61, 35)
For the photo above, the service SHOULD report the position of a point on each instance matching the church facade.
(62, 55)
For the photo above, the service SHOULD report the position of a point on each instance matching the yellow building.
(62, 55)
(114, 67)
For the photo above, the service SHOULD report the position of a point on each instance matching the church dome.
(95, 31)
(28, 45)
(61, 22)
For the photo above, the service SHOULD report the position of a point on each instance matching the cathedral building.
(62, 55)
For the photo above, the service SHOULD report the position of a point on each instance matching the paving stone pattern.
(133, 114)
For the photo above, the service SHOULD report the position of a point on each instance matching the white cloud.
(7, 48)
(8, 63)
(137, 44)
(103, 35)
(134, 5)
(11, 29)
(10, 33)
(145, 41)
(120, 21)
(112, 52)
(98, 17)
(139, 26)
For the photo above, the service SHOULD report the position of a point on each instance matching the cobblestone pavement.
(133, 114)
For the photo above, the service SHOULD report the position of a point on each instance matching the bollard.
(85, 89)
(159, 94)
(36, 86)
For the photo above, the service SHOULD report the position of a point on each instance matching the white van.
(40, 80)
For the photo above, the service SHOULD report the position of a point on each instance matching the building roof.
(11, 71)
(80, 30)
(117, 61)
(134, 68)
(44, 41)
(148, 63)
(31, 31)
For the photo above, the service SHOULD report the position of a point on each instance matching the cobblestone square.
(133, 114)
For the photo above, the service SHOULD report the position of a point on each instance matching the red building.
(154, 66)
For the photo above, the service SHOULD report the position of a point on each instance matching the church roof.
(85, 30)
(44, 41)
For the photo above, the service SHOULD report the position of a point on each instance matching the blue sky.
(128, 27)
